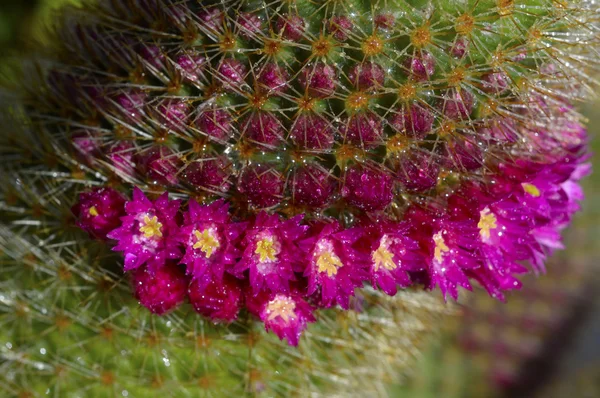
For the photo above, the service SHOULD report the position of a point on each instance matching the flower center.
(487, 222)
(382, 257)
(372, 45)
(440, 246)
(531, 189)
(281, 307)
(150, 227)
(93, 211)
(206, 241)
(327, 261)
(267, 250)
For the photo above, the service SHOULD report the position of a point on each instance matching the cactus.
(265, 162)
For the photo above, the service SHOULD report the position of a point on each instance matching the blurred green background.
(545, 342)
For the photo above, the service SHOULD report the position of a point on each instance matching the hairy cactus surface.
(265, 162)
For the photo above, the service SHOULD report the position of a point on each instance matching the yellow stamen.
(372, 45)
(531, 189)
(150, 227)
(328, 262)
(487, 222)
(382, 257)
(207, 242)
(281, 307)
(440, 246)
(267, 250)
(93, 211)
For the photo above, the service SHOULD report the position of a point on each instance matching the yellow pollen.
(397, 143)
(487, 222)
(531, 189)
(372, 45)
(281, 307)
(421, 36)
(382, 257)
(464, 24)
(505, 7)
(440, 246)
(93, 211)
(456, 76)
(328, 262)
(407, 92)
(272, 47)
(321, 47)
(266, 249)
(150, 227)
(227, 43)
(357, 100)
(206, 242)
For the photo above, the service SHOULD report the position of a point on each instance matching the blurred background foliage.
(543, 343)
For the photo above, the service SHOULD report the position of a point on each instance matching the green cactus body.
(291, 107)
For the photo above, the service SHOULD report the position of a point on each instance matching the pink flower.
(147, 232)
(391, 254)
(209, 238)
(270, 253)
(286, 315)
(333, 268)
(98, 212)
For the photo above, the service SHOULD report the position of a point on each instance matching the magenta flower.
(450, 248)
(220, 301)
(333, 268)
(147, 232)
(286, 315)
(209, 238)
(98, 212)
(160, 291)
(270, 254)
(391, 255)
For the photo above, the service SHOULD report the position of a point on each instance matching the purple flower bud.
(291, 27)
(211, 18)
(384, 21)
(367, 75)
(368, 188)
(161, 291)
(274, 78)
(160, 165)
(417, 170)
(120, 156)
(249, 25)
(463, 155)
(414, 120)
(190, 64)
(457, 104)
(232, 73)
(173, 113)
(219, 301)
(263, 128)
(312, 186)
(215, 122)
(319, 80)
(421, 66)
(313, 132)
(210, 174)
(131, 104)
(340, 27)
(99, 211)
(363, 130)
(495, 82)
(153, 55)
(263, 185)
(460, 47)
(87, 144)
